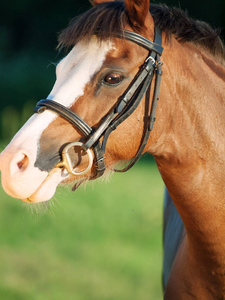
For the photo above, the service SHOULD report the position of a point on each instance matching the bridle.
(126, 105)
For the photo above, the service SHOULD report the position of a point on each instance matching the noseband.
(126, 105)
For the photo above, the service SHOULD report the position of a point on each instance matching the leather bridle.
(126, 105)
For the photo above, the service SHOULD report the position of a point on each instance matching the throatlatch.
(126, 105)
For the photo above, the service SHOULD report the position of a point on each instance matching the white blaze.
(73, 73)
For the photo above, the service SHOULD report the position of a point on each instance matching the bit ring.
(67, 163)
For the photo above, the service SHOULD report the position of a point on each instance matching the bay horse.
(102, 109)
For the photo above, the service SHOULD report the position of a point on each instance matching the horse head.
(93, 88)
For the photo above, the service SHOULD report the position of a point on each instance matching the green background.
(103, 242)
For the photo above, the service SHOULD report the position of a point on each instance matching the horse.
(104, 108)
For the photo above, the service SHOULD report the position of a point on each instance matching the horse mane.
(106, 19)
(172, 20)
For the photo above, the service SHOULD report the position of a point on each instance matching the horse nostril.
(23, 162)
(19, 163)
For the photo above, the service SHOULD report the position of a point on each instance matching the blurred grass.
(101, 242)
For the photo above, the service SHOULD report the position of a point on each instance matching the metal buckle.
(67, 163)
(150, 58)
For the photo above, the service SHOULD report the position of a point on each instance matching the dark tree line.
(33, 24)
(28, 38)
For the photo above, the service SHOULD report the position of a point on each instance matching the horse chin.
(44, 192)
(47, 188)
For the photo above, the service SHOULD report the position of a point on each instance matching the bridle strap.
(154, 56)
(126, 105)
(66, 113)
(149, 123)
(75, 120)
(129, 97)
(155, 46)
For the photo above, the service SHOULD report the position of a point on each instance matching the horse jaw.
(21, 178)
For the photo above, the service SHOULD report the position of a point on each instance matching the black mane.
(110, 17)
(185, 29)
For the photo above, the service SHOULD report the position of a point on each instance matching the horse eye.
(113, 78)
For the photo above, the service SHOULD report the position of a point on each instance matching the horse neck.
(188, 144)
(190, 137)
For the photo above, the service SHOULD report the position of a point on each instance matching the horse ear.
(138, 12)
(96, 2)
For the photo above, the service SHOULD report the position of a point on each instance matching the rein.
(127, 103)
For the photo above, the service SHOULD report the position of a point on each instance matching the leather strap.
(79, 123)
(155, 46)
(66, 113)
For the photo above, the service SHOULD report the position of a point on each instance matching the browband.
(142, 41)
